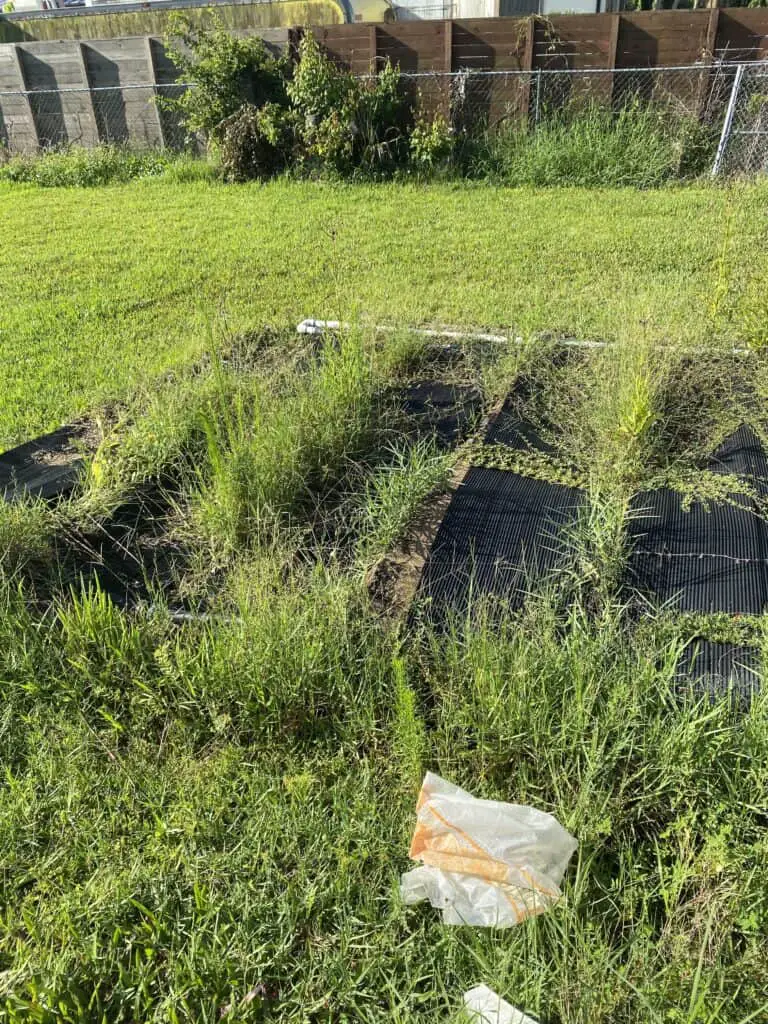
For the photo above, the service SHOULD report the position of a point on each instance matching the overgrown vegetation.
(207, 821)
(78, 167)
(595, 147)
(207, 795)
(226, 70)
(266, 114)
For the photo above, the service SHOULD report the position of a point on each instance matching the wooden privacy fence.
(573, 42)
(65, 91)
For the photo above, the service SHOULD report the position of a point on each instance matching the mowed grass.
(102, 288)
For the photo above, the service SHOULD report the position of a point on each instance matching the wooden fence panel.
(662, 38)
(415, 45)
(742, 34)
(489, 44)
(348, 45)
(63, 91)
(576, 42)
(123, 113)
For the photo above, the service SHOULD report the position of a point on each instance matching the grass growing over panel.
(207, 821)
(101, 292)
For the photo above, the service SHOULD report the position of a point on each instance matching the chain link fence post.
(728, 121)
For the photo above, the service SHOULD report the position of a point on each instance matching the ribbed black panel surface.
(712, 558)
(44, 468)
(444, 412)
(705, 584)
(660, 525)
(510, 430)
(502, 533)
(715, 668)
(741, 454)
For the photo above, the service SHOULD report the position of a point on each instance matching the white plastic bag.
(484, 862)
(483, 1006)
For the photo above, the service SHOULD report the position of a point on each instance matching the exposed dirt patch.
(392, 582)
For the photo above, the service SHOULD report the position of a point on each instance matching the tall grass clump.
(599, 408)
(393, 494)
(159, 435)
(268, 451)
(78, 167)
(26, 529)
(590, 148)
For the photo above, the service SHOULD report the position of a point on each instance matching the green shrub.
(256, 142)
(318, 88)
(227, 71)
(431, 142)
(347, 123)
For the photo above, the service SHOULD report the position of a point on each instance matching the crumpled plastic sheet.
(484, 1006)
(484, 862)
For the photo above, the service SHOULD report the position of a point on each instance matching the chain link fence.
(729, 101)
(743, 144)
(493, 100)
(133, 115)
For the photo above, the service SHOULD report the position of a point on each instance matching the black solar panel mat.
(701, 560)
(715, 668)
(501, 534)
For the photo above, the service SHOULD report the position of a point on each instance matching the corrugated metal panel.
(512, 8)
(408, 11)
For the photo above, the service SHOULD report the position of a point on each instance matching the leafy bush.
(227, 72)
(319, 88)
(256, 142)
(345, 122)
(431, 142)
(382, 121)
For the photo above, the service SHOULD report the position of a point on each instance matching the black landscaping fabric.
(132, 557)
(444, 412)
(502, 534)
(512, 431)
(47, 467)
(714, 669)
(742, 454)
(714, 557)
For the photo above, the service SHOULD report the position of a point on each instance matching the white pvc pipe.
(316, 327)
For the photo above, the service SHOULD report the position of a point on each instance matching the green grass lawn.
(103, 287)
